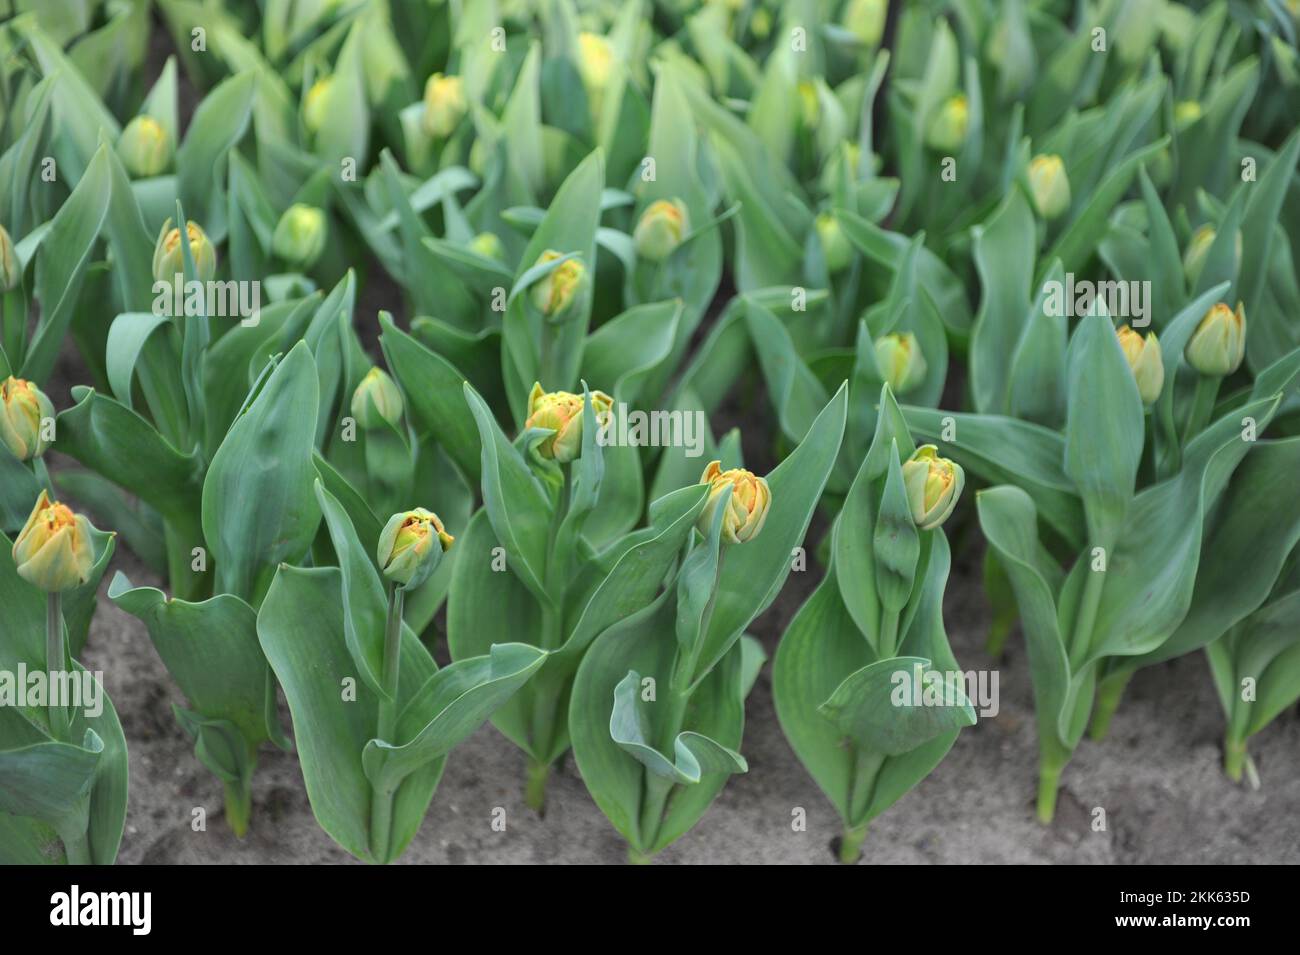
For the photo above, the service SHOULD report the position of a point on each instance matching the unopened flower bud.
(1199, 247)
(947, 130)
(23, 409)
(836, 249)
(316, 105)
(1049, 185)
(299, 236)
(1218, 345)
(933, 485)
(145, 147)
(865, 19)
(169, 258)
(900, 360)
(555, 291)
(746, 508)
(1186, 112)
(1143, 356)
(595, 64)
(377, 400)
(407, 552)
(11, 272)
(561, 412)
(661, 229)
(489, 246)
(444, 105)
(54, 551)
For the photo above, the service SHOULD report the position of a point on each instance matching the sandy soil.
(1157, 777)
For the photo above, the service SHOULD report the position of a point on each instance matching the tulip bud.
(561, 412)
(933, 485)
(145, 147)
(595, 63)
(315, 105)
(661, 229)
(836, 249)
(947, 130)
(746, 509)
(810, 107)
(377, 400)
(901, 363)
(168, 257)
(1049, 186)
(406, 553)
(1144, 359)
(865, 19)
(556, 290)
(489, 246)
(1199, 247)
(11, 272)
(54, 550)
(23, 407)
(1186, 113)
(299, 236)
(1218, 345)
(760, 24)
(444, 105)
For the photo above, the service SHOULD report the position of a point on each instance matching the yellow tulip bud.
(810, 107)
(1143, 356)
(933, 485)
(23, 408)
(377, 400)
(661, 229)
(555, 291)
(315, 105)
(1199, 247)
(145, 147)
(595, 64)
(444, 105)
(1218, 345)
(746, 509)
(1186, 113)
(406, 552)
(836, 249)
(168, 258)
(901, 363)
(947, 129)
(54, 550)
(1049, 185)
(760, 24)
(11, 272)
(489, 246)
(865, 19)
(561, 412)
(299, 236)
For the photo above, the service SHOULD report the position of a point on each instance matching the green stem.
(851, 843)
(1051, 760)
(862, 781)
(381, 798)
(1109, 693)
(1234, 757)
(239, 805)
(1207, 389)
(77, 848)
(888, 633)
(654, 799)
(55, 663)
(1080, 638)
(535, 785)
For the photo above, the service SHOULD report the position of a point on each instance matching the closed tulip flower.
(555, 291)
(23, 407)
(746, 509)
(865, 19)
(407, 552)
(933, 485)
(1199, 247)
(561, 412)
(1218, 345)
(54, 550)
(11, 272)
(315, 105)
(900, 360)
(1143, 356)
(145, 147)
(444, 105)
(1049, 185)
(947, 130)
(377, 400)
(661, 229)
(595, 65)
(168, 257)
(489, 246)
(299, 236)
(835, 247)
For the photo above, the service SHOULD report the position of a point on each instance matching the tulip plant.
(359, 306)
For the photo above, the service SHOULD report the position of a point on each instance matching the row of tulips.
(951, 243)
